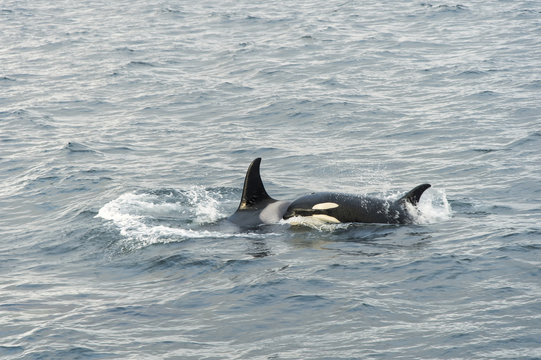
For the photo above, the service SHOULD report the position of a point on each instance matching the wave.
(145, 218)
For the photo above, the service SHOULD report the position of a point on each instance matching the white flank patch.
(326, 218)
(324, 206)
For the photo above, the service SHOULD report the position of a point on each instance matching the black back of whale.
(356, 208)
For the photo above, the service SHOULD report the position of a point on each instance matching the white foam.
(433, 207)
(132, 213)
(206, 207)
(134, 205)
(129, 211)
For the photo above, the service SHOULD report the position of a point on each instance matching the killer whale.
(345, 208)
(257, 207)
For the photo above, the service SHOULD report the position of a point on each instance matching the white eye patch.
(325, 206)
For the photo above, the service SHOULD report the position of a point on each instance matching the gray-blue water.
(126, 128)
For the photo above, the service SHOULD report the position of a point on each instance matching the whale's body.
(257, 207)
(343, 208)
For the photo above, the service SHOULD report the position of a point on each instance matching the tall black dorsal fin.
(414, 195)
(254, 192)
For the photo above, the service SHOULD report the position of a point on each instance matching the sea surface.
(126, 128)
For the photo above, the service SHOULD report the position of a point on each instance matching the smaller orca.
(257, 207)
(344, 208)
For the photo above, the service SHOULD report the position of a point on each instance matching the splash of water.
(433, 207)
(131, 212)
(205, 205)
(161, 217)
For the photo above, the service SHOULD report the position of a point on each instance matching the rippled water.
(125, 132)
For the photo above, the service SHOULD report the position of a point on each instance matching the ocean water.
(126, 128)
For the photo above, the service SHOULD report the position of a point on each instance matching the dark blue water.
(126, 129)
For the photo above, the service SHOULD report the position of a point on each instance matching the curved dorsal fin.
(414, 195)
(253, 192)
